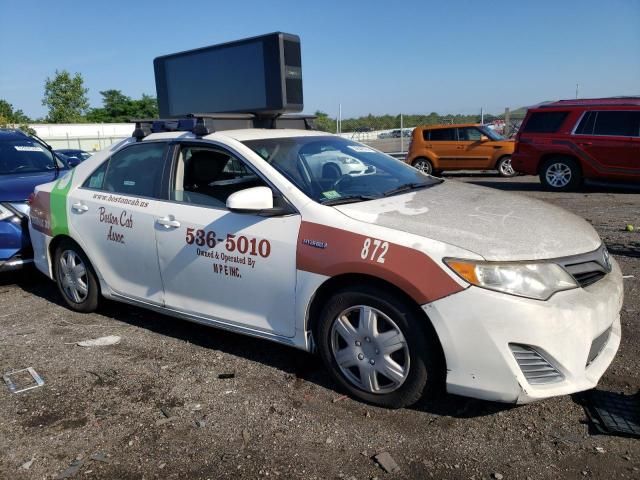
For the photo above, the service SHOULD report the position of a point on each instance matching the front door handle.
(460, 148)
(168, 222)
(585, 144)
(79, 207)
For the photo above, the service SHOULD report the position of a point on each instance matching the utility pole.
(339, 118)
(481, 116)
(577, 89)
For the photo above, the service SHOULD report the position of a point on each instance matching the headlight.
(5, 212)
(532, 280)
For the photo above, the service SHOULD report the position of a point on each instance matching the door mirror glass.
(253, 199)
(484, 138)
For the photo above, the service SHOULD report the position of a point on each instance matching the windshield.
(333, 170)
(492, 134)
(24, 155)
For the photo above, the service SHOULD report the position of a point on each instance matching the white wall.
(85, 136)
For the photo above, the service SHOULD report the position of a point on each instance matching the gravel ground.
(153, 406)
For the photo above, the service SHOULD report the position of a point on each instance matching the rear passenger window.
(545, 122)
(136, 170)
(617, 124)
(96, 179)
(443, 135)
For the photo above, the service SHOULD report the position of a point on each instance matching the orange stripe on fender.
(330, 251)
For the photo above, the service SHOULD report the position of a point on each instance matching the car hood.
(493, 224)
(18, 187)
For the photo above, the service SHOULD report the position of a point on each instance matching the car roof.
(10, 134)
(242, 135)
(591, 102)
(454, 125)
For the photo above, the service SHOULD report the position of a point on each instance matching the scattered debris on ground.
(100, 342)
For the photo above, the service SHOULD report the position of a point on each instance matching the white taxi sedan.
(402, 282)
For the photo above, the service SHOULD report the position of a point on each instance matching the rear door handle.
(168, 222)
(79, 207)
(585, 144)
(459, 147)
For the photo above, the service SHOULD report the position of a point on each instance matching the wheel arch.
(339, 282)
(500, 157)
(52, 264)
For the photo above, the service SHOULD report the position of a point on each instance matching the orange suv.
(435, 148)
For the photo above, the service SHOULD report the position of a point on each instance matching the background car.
(25, 162)
(435, 148)
(71, 153)
(568, 141)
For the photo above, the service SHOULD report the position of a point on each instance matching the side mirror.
(484, 138)
(251, 200)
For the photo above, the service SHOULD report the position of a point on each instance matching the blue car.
(24, 163)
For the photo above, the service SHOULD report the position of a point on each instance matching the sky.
(370, 56)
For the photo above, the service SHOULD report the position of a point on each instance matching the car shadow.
(297, 363)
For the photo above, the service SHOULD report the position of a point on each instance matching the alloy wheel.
(558, 175)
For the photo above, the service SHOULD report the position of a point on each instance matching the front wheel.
(378, 348)
(75, 277)
(504, 167)
(424, 165)
(560, 174)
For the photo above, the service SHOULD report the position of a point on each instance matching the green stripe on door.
(59, 225)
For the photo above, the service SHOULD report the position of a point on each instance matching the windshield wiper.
(405, 188)
(348, 199)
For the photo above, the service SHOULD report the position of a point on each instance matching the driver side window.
(207, 177)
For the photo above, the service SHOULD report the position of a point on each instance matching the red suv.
(567, 141)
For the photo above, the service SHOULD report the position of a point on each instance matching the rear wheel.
(424, 165)
(504, 167)
(560, 174)
(75, 277)
(378, 348)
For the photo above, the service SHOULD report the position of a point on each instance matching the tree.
(119, 108)
(65, 97)
(324, 123)
(14, 118)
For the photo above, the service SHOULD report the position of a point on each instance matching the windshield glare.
(328, 169)
(24, 155)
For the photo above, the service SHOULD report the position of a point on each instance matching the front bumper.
(478, 328)
(15, 245)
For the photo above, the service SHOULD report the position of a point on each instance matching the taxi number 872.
(232, 243)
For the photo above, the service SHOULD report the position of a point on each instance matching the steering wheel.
(343, 181)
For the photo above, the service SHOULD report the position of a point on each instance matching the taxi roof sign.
(260, 75)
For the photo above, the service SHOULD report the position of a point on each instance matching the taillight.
(31, 198)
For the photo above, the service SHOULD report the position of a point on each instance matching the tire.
(76, 279)
(415, 370)
(560, 174)
(504, 167)
(423, 164)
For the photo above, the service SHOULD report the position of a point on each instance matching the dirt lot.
(155, 407)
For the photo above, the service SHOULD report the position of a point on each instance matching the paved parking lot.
(178, 400)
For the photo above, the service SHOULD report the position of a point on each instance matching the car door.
(442, 141)
(112, 216)
(220, 265)
(475, 153)
(607, 139)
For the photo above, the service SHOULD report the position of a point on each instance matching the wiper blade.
(348, 199)
(405, 188)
